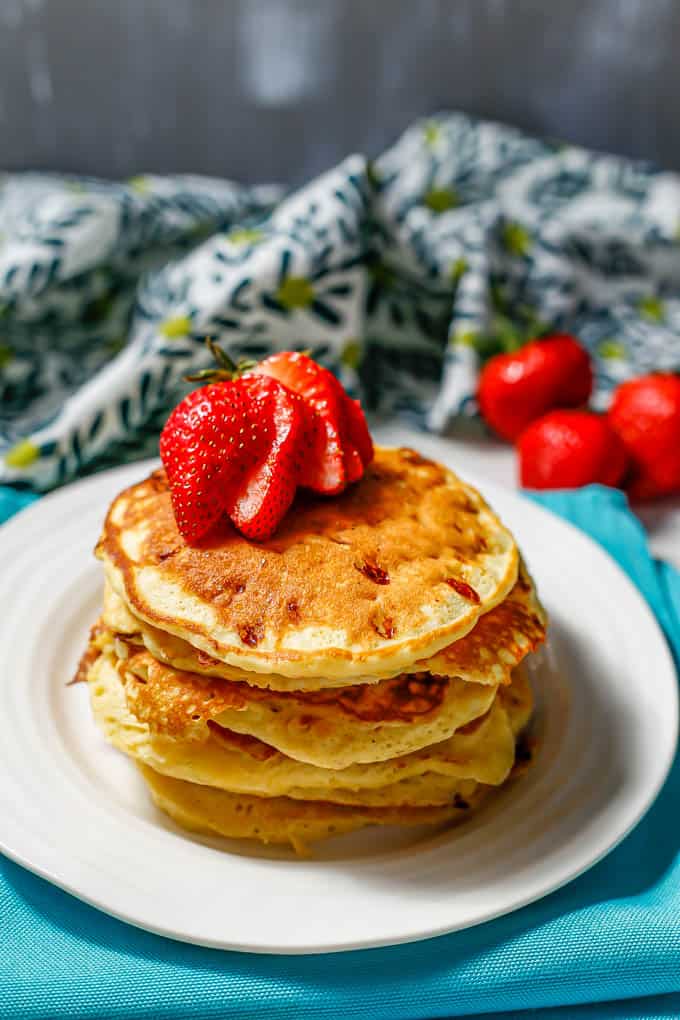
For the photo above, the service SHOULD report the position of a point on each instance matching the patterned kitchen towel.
(402, 275)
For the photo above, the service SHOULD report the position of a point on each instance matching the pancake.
(388, 572)
(118, 618)
(497, 643)
(174, 651)
(500, 640)
(482, 751)
(281, 820)
(331, 729)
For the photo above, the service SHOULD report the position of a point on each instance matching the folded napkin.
(402, 275)
(612, 934)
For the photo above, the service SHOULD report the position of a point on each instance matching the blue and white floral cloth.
(401, 275)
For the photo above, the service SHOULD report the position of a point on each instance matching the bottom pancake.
(281, 820)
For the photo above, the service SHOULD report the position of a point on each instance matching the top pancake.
(487, 654)
(389, 572)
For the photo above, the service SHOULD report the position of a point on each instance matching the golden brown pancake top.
(401, 553)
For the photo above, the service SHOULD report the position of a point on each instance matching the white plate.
(76, 812)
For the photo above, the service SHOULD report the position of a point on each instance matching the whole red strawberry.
(567, 449)
(645, 413)
(515, 389)
(241, 445)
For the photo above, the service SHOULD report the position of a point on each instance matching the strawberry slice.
(199, 447)
(335, 434)
(323, 467)
(357, 442)
(271, 468)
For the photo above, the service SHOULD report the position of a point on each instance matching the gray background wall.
(280, 89)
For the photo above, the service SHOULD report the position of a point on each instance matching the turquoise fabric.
(612, 935)
(12, 500)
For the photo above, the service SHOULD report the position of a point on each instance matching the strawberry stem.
(226, 369)
(220, 356)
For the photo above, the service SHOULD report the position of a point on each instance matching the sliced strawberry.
(199, 447)
(357, 439)
(336, 435)
(240, 446)
(269, 473)
(323, 468)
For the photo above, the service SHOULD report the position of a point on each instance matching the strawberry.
(515, 389)
(270, 472)
(338, 443)
(241, 445)
(567, 449)
(645, 413)
(199, 448)
(359, 439)
(232, 447)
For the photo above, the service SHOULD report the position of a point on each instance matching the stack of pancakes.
(360, 667)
